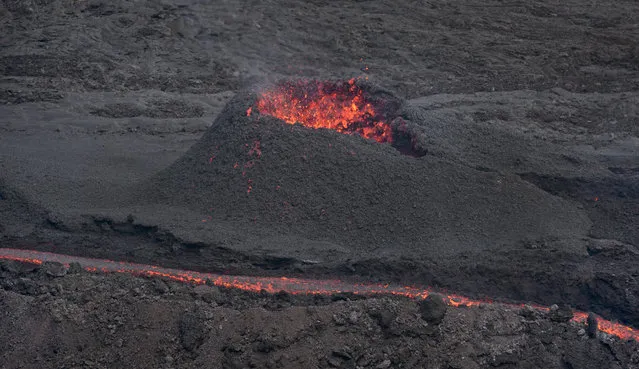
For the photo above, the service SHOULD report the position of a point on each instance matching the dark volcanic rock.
(433, 308)
(160, 286)
(192, 331)
(207, 293)
(10, 266)
(383, 317)
(560, 313)
(75, 268)
(529, 312)
(54, 269)
(592, 325)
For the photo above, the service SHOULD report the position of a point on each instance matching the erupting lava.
(338, 106)
(294, 286)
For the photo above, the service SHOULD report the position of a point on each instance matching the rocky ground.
(81, 320)
(526, 188)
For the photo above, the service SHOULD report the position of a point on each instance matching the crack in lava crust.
(339, 106)
(294, 286)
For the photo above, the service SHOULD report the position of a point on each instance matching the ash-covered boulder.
(207, 293)
(592, 326)
(75, 268)
(192, 331)
(560, 313)
(54, 269)
(433, 308)
(10, 266)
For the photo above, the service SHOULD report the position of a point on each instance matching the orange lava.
(338, 106)
(296, 286)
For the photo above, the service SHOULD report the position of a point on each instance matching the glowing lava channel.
(295, 286)
(338, 106)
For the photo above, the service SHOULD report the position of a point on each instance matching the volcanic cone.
(269, 177)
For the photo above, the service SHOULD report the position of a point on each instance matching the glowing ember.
(338, 106)
(296, 286)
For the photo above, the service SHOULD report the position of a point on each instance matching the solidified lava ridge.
(296, 286)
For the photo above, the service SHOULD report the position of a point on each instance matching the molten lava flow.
(338, 106)
(294, 286)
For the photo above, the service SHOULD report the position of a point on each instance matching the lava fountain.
(340, 106)
(295, 286)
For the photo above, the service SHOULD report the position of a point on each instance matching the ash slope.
(347, 193)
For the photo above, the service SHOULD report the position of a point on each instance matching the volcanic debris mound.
(320, 184)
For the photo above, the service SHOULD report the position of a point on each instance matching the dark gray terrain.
(121, 124)
(83, 320)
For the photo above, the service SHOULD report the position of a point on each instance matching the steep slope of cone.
(18, 214)
(322, 184)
